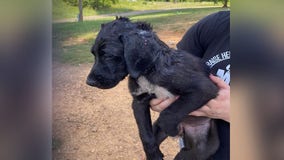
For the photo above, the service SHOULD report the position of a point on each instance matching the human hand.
(219, 107)
(159, 105)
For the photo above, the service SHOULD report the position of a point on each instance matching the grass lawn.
(61, 10)
(72, 41)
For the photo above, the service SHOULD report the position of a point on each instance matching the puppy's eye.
(108, 57)
(101, 53)
(102, 46)
(101, 50)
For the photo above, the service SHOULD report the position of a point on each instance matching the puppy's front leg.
(141, 111)
(173, 115)
(159, 134)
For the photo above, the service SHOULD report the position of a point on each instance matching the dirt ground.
(95, 124)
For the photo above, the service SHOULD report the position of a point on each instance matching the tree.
(95, 4)
(225, 4)
(80, 5)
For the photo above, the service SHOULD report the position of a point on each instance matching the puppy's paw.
(169, 123)
(155, 155)
(182, 155)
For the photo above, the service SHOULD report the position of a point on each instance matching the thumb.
(219, 82)
(197, 113)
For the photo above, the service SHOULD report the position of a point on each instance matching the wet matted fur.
(130, 48)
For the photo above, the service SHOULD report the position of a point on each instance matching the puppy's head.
(112, 61)
(141, 50)
(109, 67)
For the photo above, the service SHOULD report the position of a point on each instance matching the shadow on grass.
(188, 11)
(61, 31)
(177, 20)
(77, 53)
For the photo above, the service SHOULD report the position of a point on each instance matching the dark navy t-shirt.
(209, 39)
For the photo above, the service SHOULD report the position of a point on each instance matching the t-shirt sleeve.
(190, 42)
(199, 36)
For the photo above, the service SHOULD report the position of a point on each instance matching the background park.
(94, 124)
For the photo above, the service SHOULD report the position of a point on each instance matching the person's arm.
(198, 37)
(217, 108)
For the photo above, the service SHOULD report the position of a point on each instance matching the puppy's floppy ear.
(121, 38)
(138, 55)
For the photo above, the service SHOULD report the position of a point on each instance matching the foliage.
(75, 2)
(95, 4)
(102, 4)
(63, 10)
(216, 1)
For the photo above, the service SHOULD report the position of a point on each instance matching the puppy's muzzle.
(90, 82)
(101, 82)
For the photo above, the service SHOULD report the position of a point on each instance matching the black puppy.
(155, 70)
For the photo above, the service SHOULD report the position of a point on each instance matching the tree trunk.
(80, 16)
(225, 4)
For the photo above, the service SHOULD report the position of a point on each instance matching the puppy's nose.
(90, 82)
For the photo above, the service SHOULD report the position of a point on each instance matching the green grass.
(72, 41)
(176, 19)
(61, 10)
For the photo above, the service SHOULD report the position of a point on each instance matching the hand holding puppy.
(217, 108)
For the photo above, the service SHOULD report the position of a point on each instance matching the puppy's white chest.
(146, 87)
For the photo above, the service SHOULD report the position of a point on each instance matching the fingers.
(159, 105)
(156, 101)
(197, 113)
(219, 82)
(205, 110)
(201, 111)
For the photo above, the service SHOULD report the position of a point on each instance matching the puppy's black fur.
(123, 47)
